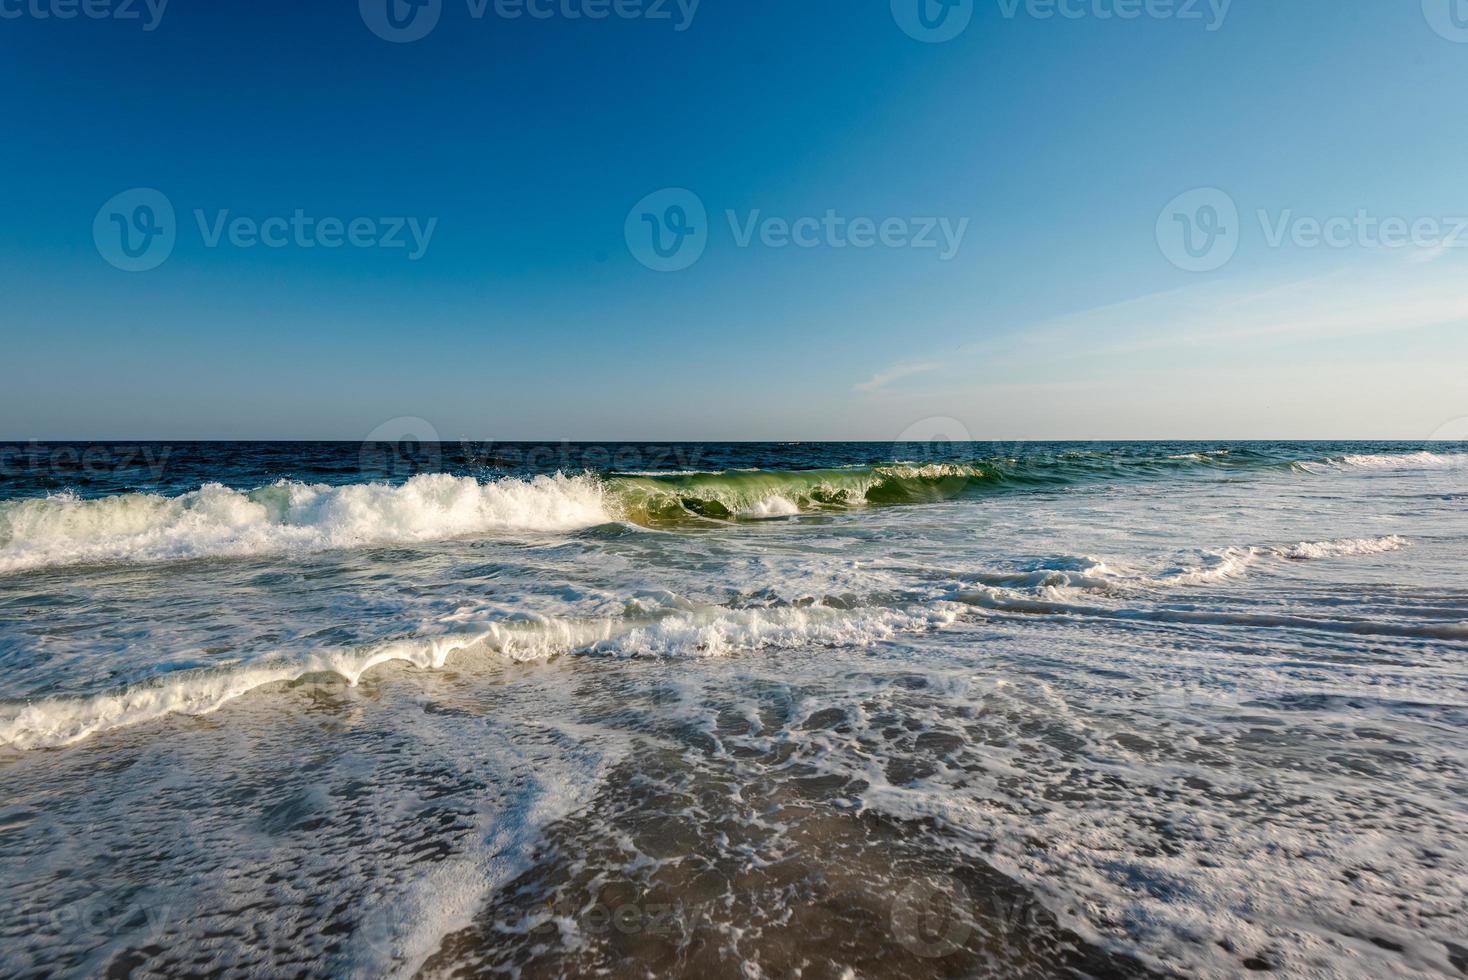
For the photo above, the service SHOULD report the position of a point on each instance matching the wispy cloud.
(1422, 256)
(896, 372)
(1348, 303)
(1241, 357)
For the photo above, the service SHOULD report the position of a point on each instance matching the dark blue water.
(102, 469)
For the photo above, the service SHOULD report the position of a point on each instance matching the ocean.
(758, 710)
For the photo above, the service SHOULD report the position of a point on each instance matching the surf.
(658, 625)
(291, 516)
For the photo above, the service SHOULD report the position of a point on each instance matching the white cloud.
(896, 372)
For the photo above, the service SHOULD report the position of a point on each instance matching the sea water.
(827, 710)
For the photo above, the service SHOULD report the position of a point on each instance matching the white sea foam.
(1342, 547)
(1217, 566)
(285, 517)
(61, 721)
(1230, 563)
(1399, 461)
(1201, 457)
(1084, 574)
(714, 631)
(1057, 578)
(656, 626)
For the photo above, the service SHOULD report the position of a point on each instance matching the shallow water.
(957, 710)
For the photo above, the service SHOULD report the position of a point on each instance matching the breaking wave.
(1397, 461)
(658, 625)
(215, 521)
(664, 625)
(296, 517)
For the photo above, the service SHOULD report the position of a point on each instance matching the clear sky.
(985, 227)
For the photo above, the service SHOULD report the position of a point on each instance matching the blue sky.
(1057, 145)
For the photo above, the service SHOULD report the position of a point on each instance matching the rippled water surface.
(760, 710)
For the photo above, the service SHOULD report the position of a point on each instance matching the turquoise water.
(967, 709)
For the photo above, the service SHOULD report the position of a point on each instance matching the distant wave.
(1394, 461)
(1002, 602)
(1341, 547)
(660, 625)
(295, 517)
(1084, 574)
(1061, 587)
